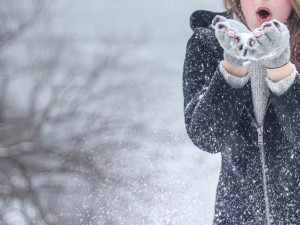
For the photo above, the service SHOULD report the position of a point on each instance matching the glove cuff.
(237, 62)
(274, 63)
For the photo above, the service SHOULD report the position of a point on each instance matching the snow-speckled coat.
(220, 118)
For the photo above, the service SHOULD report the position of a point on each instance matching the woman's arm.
(280, 73)
(238, 71)
(212, 106)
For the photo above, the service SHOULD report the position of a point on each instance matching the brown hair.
(234, 6)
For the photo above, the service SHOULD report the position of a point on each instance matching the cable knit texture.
(259, 88)
(260, 85)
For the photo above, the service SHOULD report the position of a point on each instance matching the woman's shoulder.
(203, 18)
(203, 40)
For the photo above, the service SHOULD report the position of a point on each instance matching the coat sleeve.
(212, 108)
(287, 109)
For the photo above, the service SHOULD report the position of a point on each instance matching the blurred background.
(91, 115)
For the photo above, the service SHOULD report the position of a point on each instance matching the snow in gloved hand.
(232, 36)
(271, 44)
(268, 43)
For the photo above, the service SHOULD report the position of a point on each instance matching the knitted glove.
(233, 37)
(270, 44)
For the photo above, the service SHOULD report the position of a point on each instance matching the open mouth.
(263, 14)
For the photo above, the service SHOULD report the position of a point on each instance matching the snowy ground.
(183, 178)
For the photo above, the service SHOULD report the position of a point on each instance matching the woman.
(242, 99)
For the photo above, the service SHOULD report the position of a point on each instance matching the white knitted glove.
(233, 37)
(270, 44)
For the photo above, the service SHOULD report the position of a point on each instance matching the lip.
(262, 20)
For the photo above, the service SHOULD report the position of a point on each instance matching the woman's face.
(257, 12)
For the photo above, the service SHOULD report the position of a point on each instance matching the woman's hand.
(234, 38)
(270, 44)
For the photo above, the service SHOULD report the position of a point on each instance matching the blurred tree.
(56, 134)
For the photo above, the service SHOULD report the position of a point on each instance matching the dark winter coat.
(220, 118)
